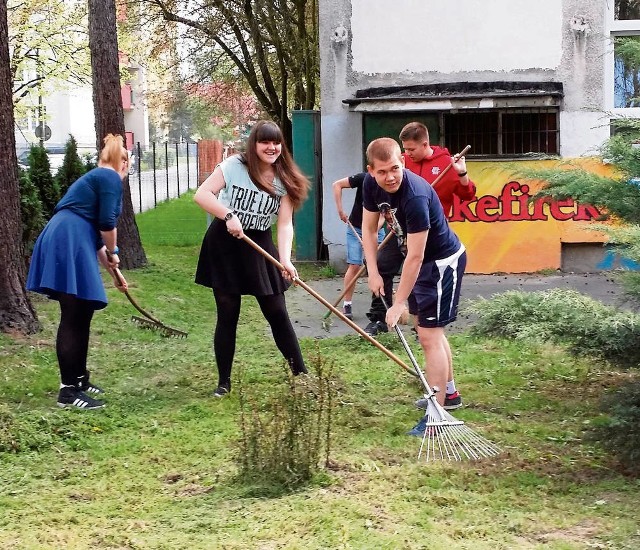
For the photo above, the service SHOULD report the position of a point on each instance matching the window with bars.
(503, 133)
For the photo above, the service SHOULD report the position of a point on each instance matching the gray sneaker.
(346, 309)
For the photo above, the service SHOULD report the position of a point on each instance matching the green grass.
(155, 469)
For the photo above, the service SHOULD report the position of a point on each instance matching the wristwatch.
(114, 252)
(229, 215)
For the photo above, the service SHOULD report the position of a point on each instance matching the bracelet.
(113, 252)
(463, 174)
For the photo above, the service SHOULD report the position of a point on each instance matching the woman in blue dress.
(247, 194)
(64, 265)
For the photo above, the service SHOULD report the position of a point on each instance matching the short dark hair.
(382, 149)
(414, 131)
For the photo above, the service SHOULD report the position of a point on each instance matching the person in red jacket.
(428, 161)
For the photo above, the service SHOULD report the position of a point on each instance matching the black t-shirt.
(417, 208)
(355, 182)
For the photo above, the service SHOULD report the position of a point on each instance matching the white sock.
(347, 303)
(451, 387)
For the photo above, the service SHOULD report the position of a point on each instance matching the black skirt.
(231, 265)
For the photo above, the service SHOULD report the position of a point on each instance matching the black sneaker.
(87, 387)
(452, 401)
(221, 391)
(70, 396)
(346, 309)
(376, 327)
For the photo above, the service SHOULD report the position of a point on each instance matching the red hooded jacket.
(430, 168)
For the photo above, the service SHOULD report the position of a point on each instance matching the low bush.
(585, 325)
(619, 430)
(286, 433)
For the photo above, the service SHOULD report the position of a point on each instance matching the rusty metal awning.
(457, 95)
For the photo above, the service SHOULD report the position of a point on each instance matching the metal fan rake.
(445, 437)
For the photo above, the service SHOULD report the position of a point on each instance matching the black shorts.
(435, 296)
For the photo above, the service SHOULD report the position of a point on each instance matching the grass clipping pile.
(286, 427)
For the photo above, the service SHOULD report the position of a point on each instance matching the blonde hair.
(382, 149)
(113, 152)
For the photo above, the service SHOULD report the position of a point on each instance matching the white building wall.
(370, 43)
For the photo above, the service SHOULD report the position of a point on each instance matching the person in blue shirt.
(435, 258)
(65, 266)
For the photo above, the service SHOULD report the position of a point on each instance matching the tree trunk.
(107, 105)
(16, 312)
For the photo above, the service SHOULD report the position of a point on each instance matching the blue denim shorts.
(355, 254)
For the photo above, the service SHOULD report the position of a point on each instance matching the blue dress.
(64, 257)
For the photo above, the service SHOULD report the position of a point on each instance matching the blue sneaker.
(419, 428)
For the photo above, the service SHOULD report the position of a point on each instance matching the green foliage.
(89, 162)
(587, 326)
(617, 195)
(72, 166)
(619, 430)
(40, 175)
(286, 431)
(30, 210)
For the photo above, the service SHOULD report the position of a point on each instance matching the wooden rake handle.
(448, 167)
(118, 278)
(336, 311)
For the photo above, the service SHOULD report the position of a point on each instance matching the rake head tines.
(160, 327)
(446, 438)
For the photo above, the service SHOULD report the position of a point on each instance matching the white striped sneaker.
(70, 396)
(86, 386)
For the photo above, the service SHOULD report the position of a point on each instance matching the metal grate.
(503, 133)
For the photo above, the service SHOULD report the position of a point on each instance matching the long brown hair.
(113, 152)
(295, 182)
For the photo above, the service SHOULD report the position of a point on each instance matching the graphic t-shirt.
(255, 208)
(414, 208)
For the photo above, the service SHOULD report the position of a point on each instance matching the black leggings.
(275, 312)
(72, 341)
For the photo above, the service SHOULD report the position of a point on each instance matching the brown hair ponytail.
(113, 152)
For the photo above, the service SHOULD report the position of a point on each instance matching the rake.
(445, 437)
(148, 321)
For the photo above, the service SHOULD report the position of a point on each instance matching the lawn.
(157, 467)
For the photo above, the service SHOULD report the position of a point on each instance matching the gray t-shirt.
(255, 208)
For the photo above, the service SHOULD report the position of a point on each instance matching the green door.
(377, 125)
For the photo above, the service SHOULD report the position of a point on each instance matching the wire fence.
(160, 172)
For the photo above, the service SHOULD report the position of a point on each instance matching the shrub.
(286, 433)
(567, 317)
(72, 167)
(40, 175)
(619, 430)
(30, 211)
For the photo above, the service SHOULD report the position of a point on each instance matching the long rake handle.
(118, 278)
(448, 167)
(336, 311)
(353, 281)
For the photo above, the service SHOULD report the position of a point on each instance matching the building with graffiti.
(525, 84)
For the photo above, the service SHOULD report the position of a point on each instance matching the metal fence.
(160, 172)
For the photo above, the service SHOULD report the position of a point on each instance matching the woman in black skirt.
(247, 194)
